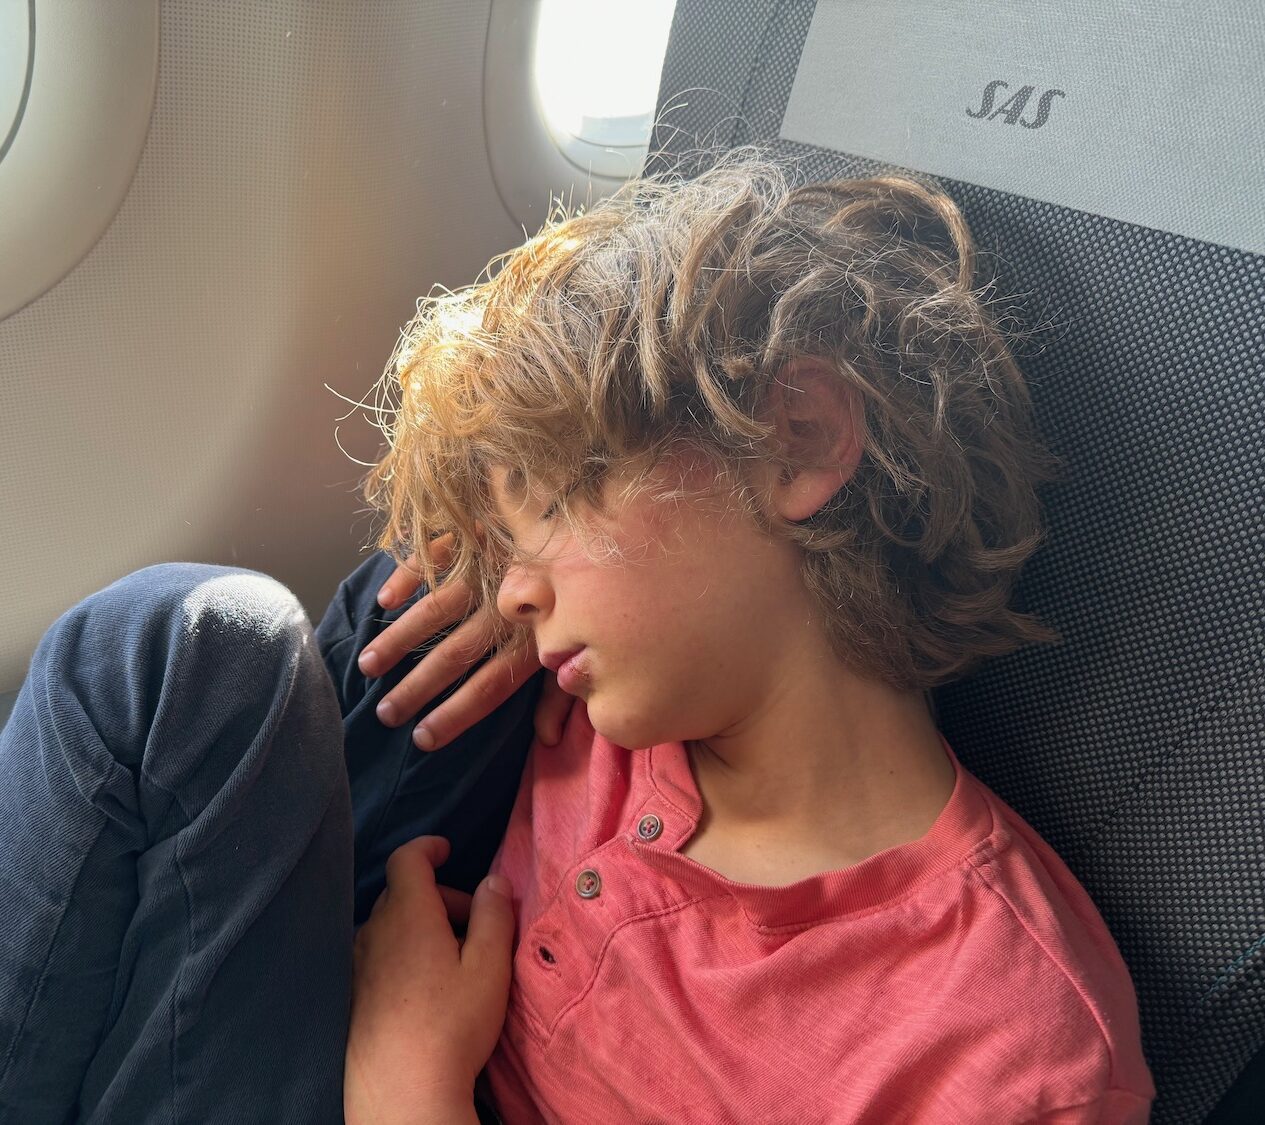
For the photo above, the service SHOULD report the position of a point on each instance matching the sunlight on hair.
(622, 347)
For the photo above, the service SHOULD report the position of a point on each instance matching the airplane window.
(15, 43)
(597, 78)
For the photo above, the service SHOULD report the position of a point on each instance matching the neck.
(826, 757)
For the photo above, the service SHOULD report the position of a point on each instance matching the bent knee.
(246, 604)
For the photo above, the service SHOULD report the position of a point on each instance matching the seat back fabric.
(1136, 746)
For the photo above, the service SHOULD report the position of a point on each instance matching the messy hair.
(657, 322)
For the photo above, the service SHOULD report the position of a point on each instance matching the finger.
(407, 576)
(457, 903)
(402, 583)
(552, 710)
(487, 951)
(437, 668)
(410, 869)
(500, 677)
(416, 625)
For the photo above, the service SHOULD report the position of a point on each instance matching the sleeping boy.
(750, 468)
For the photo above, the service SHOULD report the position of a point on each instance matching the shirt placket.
(598, 893)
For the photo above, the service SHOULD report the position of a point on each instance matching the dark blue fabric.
(183, 861)
(465, 791)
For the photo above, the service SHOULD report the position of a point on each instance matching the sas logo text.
(1012, 107)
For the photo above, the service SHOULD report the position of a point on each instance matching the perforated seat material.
(1136, 746)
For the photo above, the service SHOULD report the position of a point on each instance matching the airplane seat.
(1118, 201)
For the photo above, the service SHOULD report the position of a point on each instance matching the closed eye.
(552, 510)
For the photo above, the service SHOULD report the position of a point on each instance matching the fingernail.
(385, 597)
(386, 711)
(423, 739)
(498, 884)
(368, 663)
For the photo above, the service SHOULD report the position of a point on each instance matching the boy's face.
(687, 637)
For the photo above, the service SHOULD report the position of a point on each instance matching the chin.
(629, 734)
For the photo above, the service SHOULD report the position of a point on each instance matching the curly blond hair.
(657, 321)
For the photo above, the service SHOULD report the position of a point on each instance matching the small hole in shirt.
(545, 955)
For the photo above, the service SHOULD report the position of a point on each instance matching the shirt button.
(588, 883)
(649, 827)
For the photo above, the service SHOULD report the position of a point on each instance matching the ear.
(818, 418)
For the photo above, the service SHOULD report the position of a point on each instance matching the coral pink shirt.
(965, 976)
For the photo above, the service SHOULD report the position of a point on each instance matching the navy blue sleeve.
(464, 791)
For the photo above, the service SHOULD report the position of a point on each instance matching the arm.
(444, 1109)
(453, 1108)
(426, 1009)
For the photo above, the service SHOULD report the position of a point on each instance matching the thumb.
(552, 710)
(490, 933)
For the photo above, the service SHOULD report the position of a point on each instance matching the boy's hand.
(484, 692)
(426, 1008)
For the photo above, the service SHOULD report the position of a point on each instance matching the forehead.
(503, 482)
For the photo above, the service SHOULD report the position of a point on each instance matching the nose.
(521, 595)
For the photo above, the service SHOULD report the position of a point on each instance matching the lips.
(573, 676)
(555, 660)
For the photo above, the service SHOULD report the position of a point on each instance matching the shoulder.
(1043, 957)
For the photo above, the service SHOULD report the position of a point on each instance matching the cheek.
(682, 585)
(679, 609)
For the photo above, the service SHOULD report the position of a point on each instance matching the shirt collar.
(965, 822)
